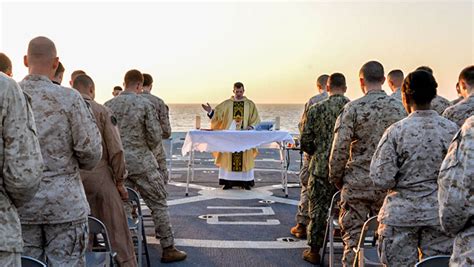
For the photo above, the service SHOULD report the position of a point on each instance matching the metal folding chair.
(137, 228)
(434, 261)
(367, 255)
(31, 262)
(101, 253)
(331, 226)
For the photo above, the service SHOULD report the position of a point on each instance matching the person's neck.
(322, 91)
(395, 88)
(130, 90)
(41, 71)
(372, 87)
(238, 99)
(415, 107)
(331, 93)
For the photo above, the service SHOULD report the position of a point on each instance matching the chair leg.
(325, 243)
(145, 244)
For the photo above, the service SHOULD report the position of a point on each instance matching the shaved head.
(41, 57)
(84, 84)
(41, 50)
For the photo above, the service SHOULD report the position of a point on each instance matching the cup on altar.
(198, 122)
(238, 124)
(277, 124)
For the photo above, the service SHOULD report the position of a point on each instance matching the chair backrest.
(97, 227)
(31, 262)
(134, 198)
(333, 208)
(370, 225)
(434, 261)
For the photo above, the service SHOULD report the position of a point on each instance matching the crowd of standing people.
(401, 157)
(406, 157)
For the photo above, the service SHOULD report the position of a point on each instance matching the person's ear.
(55, 63)
(25, 61)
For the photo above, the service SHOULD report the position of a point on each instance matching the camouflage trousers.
(62, 244)
(356, 207)
(463, 250)
(302, 216)
(10, 259)
(152, 189)
(320, 193)
(160, 156)
(404, 246)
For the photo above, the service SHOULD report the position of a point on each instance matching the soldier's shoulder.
(7, 83)
(468, 124)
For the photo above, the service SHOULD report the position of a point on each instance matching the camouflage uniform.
(316, 140)
(456, 202)
(356, 135)
(397, 94)
(162, 111)
(21, 164)
(141, 132)
(406, 163)
(440, 104)
(461, 111)
(54, 222)
(302, 213)
(457, 100)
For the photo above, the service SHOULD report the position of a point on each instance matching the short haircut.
(239, 85)
(337, 80)
(5, 63)
(420, 86)
(396, 74)
(41, 50)
(133, 76)
(118, 88)
(82, 81)
(467, 75)
(323, 80)
(59, 70)
(147, 79)
(372, 72)
(425, 68)
(76, 73)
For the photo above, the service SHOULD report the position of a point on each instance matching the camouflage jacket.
(440, 104)
(139, 129)
(461, 111)
(316, 138)
(313, 100)
(406, 163)
(162, 111)
(457, 100)
(397, 94)
(356, 135)
(69, 140)
(456, 183)
(20, 161)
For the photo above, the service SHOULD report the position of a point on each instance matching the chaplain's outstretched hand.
(207, 107)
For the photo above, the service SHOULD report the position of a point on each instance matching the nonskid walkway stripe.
(207, 243)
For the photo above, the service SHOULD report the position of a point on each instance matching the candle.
(198, 122)
(277, 124)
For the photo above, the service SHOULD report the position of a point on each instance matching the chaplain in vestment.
(239, 113)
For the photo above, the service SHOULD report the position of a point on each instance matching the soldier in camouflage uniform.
(356, 135)
(316, 140)
(21, 164)
(456, 203)
(302, 217)
(162, 112)
(406, 163)
(395, 81)
(54, 222)
(141, 133)
(439, 103)
(465, 108)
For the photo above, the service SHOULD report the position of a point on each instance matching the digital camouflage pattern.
(302, 215)
(21, 164)
(356, 135)
(69, 140)
(139, 129)
(406, 163)
(440, 104)
(397, 94)
(455, 194)
(461, 111)
(316, 140)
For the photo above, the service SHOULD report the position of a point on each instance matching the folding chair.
(137, 228)
(434, 261)
(331, 225)
(367, 255)
(99, 254)
(31, 262)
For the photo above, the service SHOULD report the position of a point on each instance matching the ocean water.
(183, 116)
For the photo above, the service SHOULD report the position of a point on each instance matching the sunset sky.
(196, 50)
